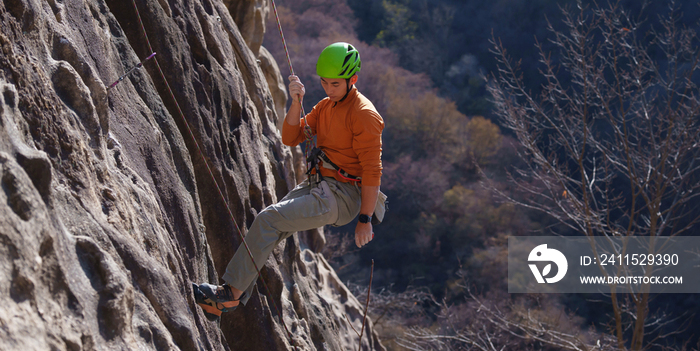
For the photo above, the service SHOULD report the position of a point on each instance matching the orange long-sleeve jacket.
(349, 132)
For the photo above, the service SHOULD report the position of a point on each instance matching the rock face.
(108, 211)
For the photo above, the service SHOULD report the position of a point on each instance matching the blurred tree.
(398, 29)
(483, 139)
(419, 32)
(370, 15)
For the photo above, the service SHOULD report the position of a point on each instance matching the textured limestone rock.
(250, 15)
(107, 209)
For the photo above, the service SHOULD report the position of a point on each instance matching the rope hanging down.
(310, 140)
(213, 178)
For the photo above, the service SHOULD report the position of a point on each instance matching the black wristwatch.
(365, 218)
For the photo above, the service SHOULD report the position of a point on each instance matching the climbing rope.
(211, 173)
(310, 140)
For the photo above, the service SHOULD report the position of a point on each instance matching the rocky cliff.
(108, 211)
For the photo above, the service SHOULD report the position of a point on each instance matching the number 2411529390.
(632, 260)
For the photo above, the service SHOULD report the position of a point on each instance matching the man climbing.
(344, 182)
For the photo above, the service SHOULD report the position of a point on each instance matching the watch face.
(365, 218)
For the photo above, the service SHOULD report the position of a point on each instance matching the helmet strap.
(347, 87)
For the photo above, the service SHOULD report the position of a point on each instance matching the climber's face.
(336, 88)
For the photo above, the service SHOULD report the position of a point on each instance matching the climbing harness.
(211, 173)
(318, 157)
(131, 70)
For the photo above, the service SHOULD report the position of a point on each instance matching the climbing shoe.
(215, 299)
(208, 306)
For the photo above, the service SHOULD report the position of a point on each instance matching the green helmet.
(338, 60)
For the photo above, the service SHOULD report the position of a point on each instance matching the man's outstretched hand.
(363, 234)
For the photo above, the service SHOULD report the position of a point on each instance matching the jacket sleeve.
(367, 143)
(294, 135)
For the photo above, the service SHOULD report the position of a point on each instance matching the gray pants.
(304, 208)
